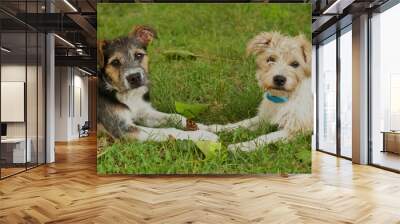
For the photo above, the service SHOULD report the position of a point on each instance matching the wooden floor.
(10, 171)
(387, 159)
(69, 191)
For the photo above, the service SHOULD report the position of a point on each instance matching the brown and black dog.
(123, 107)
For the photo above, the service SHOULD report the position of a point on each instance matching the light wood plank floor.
(69, 191)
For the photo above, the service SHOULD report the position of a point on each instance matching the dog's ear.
(261, 42)
(143, 34)
(306, 48)
(101, 44)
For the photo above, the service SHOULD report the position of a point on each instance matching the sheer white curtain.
(327, 96)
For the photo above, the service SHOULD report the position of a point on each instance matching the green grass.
(222, 77)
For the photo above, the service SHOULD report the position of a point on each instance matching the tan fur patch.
(276, 55)
(262, 41)
(132, 133)
(145, 64)
(144, 34)
(100, 55)
(116, 55)
(113, 74)
(119, 109)
(306, 49)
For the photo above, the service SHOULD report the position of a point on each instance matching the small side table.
(391, 141)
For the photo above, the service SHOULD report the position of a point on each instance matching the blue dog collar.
(275, 99)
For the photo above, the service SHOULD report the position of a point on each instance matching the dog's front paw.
(204, 135)
(203, 127)
(243, 146)
(214, 128)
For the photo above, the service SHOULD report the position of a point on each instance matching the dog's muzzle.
(279, 81)
(136, 78)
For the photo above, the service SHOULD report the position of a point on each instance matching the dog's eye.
(139, 56)
(294, 64)
(115, 63)
(270, 59)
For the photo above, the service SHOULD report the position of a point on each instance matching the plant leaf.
(179, 55)
(208, 148)
(190, 111)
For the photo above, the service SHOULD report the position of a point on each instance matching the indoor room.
(22, 98)
(121, 111)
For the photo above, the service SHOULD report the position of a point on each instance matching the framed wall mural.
(204, 88)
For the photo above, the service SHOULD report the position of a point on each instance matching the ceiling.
(330, 15)
(74, 22)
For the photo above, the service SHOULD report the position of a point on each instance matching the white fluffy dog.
(284, 73)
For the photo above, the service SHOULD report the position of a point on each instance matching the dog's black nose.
(135, 79)
(279, 80)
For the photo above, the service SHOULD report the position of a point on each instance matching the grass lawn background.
(222, 76)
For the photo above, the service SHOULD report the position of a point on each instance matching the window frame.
(381, 9)
(337, 34)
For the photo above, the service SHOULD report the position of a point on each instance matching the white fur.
(293, 117)
(142, 112)
(290, 57)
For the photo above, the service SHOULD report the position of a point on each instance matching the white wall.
(61, 103)
(79, 117)
(70, 83)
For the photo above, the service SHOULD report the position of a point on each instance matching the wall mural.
(204, 88)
